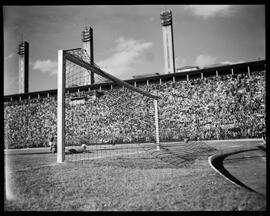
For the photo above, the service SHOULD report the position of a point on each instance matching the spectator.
(51, 143)
(221, 107)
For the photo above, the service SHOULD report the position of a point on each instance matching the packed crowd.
(214, 108)
(230, 106)
(29, 122)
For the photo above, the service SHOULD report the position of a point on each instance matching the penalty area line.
(31, 168)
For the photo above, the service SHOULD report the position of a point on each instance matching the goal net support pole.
(156, 124)
(61, 107)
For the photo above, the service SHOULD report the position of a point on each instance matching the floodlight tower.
(23, 52)
(88, 45)
(167, 29)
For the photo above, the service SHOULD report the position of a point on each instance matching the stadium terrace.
(214, 103)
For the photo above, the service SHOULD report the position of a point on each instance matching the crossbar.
(102, 73)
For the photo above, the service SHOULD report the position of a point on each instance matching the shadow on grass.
(218, 164)
(262, 147)
(182, 155)
(176, 155)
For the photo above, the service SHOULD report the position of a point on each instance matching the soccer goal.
(95, 120)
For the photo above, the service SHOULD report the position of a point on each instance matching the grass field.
(178, 178)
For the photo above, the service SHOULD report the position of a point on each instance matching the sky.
(128, 38)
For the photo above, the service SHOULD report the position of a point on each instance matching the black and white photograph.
(155, 107)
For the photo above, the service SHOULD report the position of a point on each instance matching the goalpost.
(80, 58)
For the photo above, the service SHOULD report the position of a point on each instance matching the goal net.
(108, 119)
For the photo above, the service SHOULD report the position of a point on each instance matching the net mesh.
(79, 76)
(100, 123)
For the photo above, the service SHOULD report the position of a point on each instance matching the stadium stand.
(223, 107)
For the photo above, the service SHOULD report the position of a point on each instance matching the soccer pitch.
(177, 178)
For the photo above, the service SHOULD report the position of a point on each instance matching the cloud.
(150, 56)
(207, 11)
(204, 60)
(152, 19)
(229, 62)
(179, 63)
(126, 53)
(45, 66)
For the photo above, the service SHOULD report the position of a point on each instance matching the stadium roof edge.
(157, 77)
(203, 70)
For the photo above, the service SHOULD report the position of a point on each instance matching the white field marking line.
(213, 167)
(31, 168)
(234, 140)
(172, 142)
(262, 156)
(234, 146)
(258, 154)
(26, 149)
(105, 156)
(114, 149)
